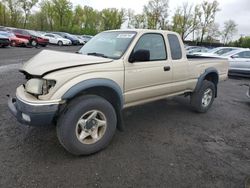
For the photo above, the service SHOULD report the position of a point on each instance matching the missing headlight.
(47, 85)
(37, 86)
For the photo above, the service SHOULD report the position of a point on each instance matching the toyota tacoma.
(83, 94)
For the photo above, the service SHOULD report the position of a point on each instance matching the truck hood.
(49, 61)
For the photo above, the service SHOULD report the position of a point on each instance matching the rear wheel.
(13, 43)
(202, 99)
(34, 43)
(87, 125)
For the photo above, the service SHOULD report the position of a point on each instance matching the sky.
(237, 10)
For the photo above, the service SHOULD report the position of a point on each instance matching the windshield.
(109, 44)
(231, 53)
(214, 50)
(34, 33)
(7, 34)
(57, 36)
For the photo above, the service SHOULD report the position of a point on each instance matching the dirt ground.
(165, 143)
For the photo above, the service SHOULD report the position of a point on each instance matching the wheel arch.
(210, 74)
(105, 88)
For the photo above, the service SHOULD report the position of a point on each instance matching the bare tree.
(207, 16)
(230, 29)
(156, 12)
(213, 32)
(183, 21)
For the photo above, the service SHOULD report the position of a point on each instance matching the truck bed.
(198, 58)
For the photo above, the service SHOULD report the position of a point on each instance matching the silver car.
(239, 62)
(248, 92)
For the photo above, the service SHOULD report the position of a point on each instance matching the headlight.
(39, 86)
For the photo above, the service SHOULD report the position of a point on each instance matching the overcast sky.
(237, 10)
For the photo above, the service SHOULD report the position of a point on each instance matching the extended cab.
(84, 93)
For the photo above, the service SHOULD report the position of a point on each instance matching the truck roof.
(144, 31)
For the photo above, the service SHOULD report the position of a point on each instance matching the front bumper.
(31, 113)
(4, 42)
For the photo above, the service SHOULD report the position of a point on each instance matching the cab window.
(155, 44)
(175, 47)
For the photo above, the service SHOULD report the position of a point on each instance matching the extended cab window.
(155, 44)
(175, 47)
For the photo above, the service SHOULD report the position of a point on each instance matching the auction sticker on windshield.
(125, 36)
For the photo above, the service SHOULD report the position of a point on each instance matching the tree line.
(191, 21)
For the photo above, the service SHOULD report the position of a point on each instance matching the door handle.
(166, 68)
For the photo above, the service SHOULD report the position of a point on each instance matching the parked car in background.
(248, 91)
(15, 41)
(215, 52)
(34, 38)
(81, 40)
(86, 38)
(197, 49)
(74, 40)
(57, 39)
(4, 41)
(190, 47)
(239, 62)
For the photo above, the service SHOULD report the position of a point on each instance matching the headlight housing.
(38, 86)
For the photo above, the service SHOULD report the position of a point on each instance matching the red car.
(34, 38)
(15, 41)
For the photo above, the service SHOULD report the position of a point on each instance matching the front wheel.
(202, 99)
(60, 43)
(87, 125)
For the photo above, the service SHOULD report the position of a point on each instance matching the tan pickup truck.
(84, 93)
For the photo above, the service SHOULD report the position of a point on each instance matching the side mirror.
(139, 55)
(235, 56)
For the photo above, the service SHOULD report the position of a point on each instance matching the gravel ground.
(165, 143)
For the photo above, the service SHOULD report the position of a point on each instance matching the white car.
(57, 39)
(81, 41)
(239, 62)
(216, 51)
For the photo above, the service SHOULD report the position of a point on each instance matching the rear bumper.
(33, 114)
(67, 43)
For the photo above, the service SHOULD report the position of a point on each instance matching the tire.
(69, 130)
(13, 43)
(202, 99)
(33, 43)
(60, 43)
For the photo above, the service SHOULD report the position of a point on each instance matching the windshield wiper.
(97, 54)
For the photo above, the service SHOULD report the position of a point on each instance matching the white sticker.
(125, 36)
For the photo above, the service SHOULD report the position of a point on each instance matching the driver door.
(149, 79)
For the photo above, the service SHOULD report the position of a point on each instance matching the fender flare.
(99, 82)
(202, 77)
(96, 82)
